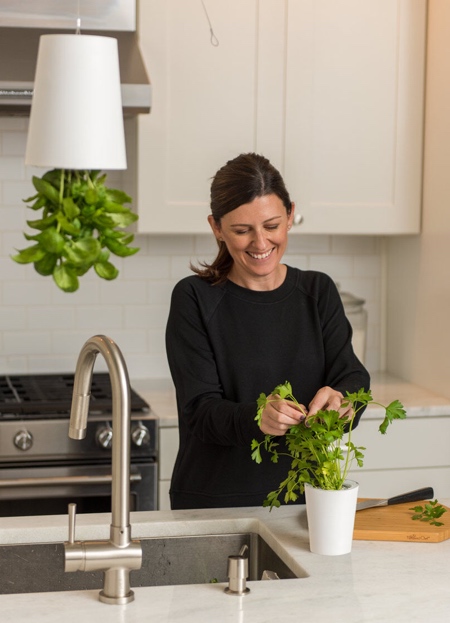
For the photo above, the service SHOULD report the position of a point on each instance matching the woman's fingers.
(279, 416)
(329, 398)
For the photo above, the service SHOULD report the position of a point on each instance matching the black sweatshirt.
(227, 344)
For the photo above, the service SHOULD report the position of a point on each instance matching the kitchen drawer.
(408, 444)
(390, 482)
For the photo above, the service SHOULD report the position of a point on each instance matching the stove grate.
(51, 394)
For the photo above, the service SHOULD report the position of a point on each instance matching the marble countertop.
(377, 582)
(419, 402)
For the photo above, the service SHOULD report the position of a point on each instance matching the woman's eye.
(240, 232)
(271, 227)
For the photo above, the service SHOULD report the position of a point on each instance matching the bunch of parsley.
(320, 447)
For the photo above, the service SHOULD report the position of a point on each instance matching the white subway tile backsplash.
(13, 219)
(146, 316)
(87, 294)
(141, 266)
(357, 245)
(14, 193)
(170, 245)
(10, 269)
(12, 168)
(159, 292)
(26, 343)
(297, 261)
(144, 366)
(156, 342)
(49, 364)
(68, 342)
(205, 245)
(14, 365)
(299, 243)
(27, 292)
(13, 318)
(180, 266)
(98, 318)
(367, 266)
(50, 318)
(14, 143)
(337, 266)
(42, 329)
(123, 292)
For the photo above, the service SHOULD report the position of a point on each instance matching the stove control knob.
(23, 440)
(140, 436)
(104, 436)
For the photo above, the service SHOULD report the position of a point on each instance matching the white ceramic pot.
(331, 518)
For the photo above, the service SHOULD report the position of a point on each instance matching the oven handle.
(7, 483)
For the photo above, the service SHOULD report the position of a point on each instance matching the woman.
(241, 326)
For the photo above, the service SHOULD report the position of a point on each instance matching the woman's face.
(256, 237)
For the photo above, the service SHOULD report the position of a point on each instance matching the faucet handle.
(72, 518)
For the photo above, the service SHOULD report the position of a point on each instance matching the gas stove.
(34, 420)
(38, 460)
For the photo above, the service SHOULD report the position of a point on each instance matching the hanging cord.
(214, 40)
(78, 28)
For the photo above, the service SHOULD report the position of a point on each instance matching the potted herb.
(79, 228)
(321, 452)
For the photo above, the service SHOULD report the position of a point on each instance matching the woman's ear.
(215, 228)
(291, 215)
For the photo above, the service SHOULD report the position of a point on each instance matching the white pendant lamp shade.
(76, 119)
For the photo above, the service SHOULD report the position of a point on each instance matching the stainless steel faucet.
(118, 556)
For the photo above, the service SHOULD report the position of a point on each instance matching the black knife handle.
(412, 496)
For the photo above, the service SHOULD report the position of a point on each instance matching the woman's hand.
(280, 415)
(329, 398)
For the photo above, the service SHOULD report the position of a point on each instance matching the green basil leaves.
(81, 225)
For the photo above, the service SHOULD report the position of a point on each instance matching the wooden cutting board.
(394, 523)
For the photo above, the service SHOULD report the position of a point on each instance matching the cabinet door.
(204, 106)
(168, 449)
(354, 108)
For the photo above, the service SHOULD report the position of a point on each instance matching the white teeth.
(260, 256)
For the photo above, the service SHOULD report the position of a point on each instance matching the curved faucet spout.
(121, 415)
(114, 561)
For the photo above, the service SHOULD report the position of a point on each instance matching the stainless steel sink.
(39, 567)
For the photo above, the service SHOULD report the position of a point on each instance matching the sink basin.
(39, 567)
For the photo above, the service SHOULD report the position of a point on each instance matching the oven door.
(47, 490)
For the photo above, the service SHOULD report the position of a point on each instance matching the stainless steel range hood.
(19, 41)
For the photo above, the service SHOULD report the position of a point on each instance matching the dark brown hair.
(239, 181)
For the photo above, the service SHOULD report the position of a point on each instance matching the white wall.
(418, 347)
(42, 329)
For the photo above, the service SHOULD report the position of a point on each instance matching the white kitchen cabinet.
(168, 448)
(330, 90)
(414, 453)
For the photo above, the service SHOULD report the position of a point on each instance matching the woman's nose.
(260, 239)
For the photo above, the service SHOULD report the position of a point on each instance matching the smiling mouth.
(261, 256)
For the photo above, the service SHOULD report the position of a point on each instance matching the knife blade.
(425, 493)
